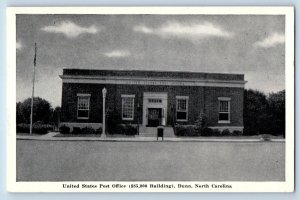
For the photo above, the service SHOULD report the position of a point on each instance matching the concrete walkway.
(50, 136)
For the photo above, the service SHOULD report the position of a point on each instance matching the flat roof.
(152, 74)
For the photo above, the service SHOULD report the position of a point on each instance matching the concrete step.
(152, 131)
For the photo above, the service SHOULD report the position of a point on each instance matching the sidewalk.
(50, 137)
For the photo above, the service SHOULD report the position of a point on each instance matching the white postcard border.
(285, 186)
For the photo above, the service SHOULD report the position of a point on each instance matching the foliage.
(20, 116)
(55, 116)
(130, 129)
(42, 111)
(226, 132)
(264, 115)
(88, 130)
(216, 132)
(113, 122)
(207, 132)
(98, 131)
(64, 129)
(76, 130)
(124, 129)
(36, 128)
(237, 133)
(181, 130)
(115, 126)
(200, 123)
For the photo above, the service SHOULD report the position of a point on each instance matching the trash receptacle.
(160, 132)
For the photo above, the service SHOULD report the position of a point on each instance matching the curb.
(145, 139)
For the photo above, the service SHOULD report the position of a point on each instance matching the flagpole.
(33, 80)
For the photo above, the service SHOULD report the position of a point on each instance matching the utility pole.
(33, 80)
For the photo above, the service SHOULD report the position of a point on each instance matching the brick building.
(152, 98)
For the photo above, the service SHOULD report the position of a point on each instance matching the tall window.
(224, 109)
(127, 107)
(83, 106)
(182, 108)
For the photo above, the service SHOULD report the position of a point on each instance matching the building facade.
(152, 98)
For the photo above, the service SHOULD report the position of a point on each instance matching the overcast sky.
(251, 45)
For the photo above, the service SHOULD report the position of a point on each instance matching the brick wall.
(236, 105)
(201, 99)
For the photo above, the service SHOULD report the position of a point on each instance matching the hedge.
(190, 130)
(64, 129)
(77, 130)
(36, 128)
(123, 129)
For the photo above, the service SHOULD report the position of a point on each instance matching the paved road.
(149, 161)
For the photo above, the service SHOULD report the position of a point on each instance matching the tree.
(42, 110)
(277, 111)
(255, 109)
(264, 115)
(55, 118)
(19, 113)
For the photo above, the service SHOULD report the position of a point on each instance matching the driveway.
(149, 161)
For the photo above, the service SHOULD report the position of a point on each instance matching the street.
(150, 161)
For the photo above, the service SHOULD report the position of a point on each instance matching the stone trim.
(152, 81)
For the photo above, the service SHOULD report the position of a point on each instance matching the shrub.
(36, 128)
(126, 129)
(226, 132)
(88, 130)
(216, 132)
(266, 137)
(117, 129)
(114, 122)
(200, 123)
(129, 130)
(64, 129)
(237, 133)
(185, 131)
(76, 130)
(206, 132)
(98, 131)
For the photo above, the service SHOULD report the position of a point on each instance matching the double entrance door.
(154, 117)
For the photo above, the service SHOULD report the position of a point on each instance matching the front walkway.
(141, 138)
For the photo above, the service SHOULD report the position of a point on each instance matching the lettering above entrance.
(153, 81)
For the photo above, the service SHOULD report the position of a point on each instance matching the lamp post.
(138, 119)
(104, 91)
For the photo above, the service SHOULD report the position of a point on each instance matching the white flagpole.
(33, 80)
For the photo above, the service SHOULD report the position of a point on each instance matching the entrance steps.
(152, 131)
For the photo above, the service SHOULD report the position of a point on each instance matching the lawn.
(149, 161)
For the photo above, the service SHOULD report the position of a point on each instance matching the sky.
(253, 45)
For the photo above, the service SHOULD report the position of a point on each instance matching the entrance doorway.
(154, 117)
(155, 108)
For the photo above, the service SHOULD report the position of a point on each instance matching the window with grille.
(182, 108)
(83, 106)
(224, 110)
(154, 100)
(127, 107)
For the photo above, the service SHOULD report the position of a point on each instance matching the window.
(182, 108)
(83, 106)
(224, 110)
(127, 107)
(154, 100)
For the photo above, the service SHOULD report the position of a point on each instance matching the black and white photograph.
(151, 99)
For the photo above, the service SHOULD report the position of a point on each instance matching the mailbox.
(160, 132)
